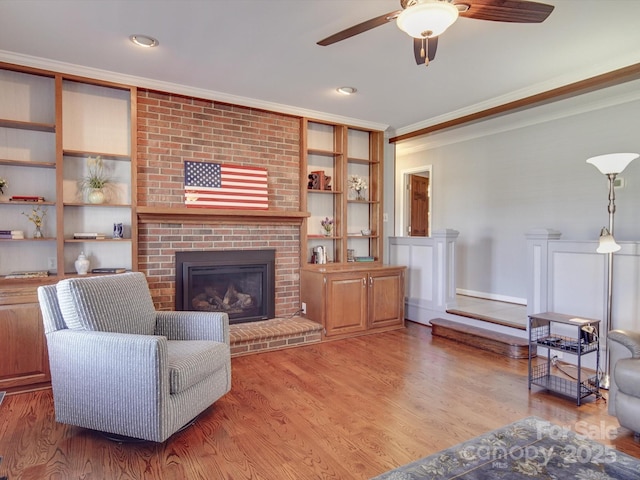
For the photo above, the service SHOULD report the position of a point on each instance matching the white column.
(538, 268)
(444, 274)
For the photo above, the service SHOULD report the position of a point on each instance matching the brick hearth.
(274, 334)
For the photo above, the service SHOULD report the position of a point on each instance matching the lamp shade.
(428, 18)
(607, 242)
(612, 162)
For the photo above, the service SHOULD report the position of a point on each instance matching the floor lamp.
(610, 165)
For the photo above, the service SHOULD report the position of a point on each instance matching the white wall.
(495, 180)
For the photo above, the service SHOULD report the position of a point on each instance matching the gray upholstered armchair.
(624, 390)
(121, 367)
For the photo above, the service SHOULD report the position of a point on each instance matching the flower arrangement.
(3, 183)
(37, 217)
(327, 225)
(357, 184)
(97, 178)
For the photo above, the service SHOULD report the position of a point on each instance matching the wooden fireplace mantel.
(185, 215)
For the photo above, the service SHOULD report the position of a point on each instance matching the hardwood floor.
(348, 409)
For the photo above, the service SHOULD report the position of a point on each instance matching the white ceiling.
(263, 53)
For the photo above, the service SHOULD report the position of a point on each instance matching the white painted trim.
(142, 82)
(534, 116)
(491, 296)
(596, 68)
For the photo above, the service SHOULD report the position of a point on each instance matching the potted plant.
(37, 217)
(96, 181)
(358, 185)
(327, 226)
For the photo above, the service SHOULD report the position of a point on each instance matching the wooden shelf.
(27, 163)
(34, 126)
(184, 215)
(105, 156)
(17, 202)
(311, 190)
(99, 240)
(80, 204)
(363, 161)
(326, 153)
(46, 239)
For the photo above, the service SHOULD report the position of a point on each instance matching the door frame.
(403, 200)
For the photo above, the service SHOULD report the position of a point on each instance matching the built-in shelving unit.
(348, 297)
(337, 152)
(50, 125)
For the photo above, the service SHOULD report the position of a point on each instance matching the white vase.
(96, 196)
(82, 264)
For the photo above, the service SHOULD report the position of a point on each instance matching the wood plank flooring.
(348, 409)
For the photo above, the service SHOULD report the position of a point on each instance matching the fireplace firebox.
(240, 283)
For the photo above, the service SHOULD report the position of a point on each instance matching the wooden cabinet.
(52, 126)
(351, 301)
(24, 361)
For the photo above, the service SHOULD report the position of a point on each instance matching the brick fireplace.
(174, 128)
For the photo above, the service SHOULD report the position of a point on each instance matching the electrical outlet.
(52, 263)
(304, 308)
(385, 217)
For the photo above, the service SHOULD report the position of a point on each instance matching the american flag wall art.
(215, 185)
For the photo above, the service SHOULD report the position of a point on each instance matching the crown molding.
(588, 102)
(168, 87)
(558, 82)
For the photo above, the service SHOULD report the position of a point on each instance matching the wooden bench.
(500, 343)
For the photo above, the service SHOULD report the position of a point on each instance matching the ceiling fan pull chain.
(422, 52)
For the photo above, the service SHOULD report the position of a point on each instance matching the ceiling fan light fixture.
(429, 18)
(346, 90)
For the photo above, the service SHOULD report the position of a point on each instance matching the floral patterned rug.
(528, 449)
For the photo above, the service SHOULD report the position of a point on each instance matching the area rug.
(532, 448)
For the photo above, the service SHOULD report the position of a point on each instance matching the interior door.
(419, 206)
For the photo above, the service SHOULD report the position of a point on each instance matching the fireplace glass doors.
(237, 282)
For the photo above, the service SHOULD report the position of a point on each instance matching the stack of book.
(11, 234)
(109, 270)
(88, 236)
(26, 198)
(365, 259)
(29, 274)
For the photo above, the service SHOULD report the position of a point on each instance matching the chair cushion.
(627, 376)
(115, 303)
(191, 361)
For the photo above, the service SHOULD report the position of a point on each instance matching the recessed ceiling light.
(144, 40)
(346, 90)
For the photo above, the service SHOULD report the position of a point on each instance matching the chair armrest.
(187, 325)
(626, 338)
(97, 363)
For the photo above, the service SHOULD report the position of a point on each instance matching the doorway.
(415, 202)
(418, 205)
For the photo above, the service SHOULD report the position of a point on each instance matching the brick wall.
(173, 128)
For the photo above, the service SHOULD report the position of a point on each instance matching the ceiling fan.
(425, 20)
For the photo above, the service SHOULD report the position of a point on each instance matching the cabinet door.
(346, 303)
(386, 299)
(24, 359)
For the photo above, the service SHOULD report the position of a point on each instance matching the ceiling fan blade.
(515, 11)
(360, 28)
(430, 53)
